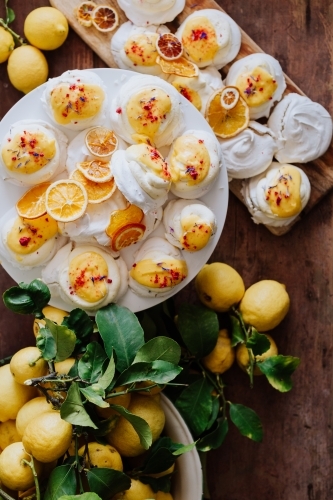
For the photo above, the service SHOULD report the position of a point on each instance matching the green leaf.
(46, 343)
(162, 348)
(107, 482)
(258, 342)
(85, 496)
(81, 324)
(91, 364)
(121, 331)
(95, 394)
(278, 370)
(62, 481)
(159, 461)
(195, 404)
(215, 437)
(148, 325)
(72, 409)
(10, 15)
(107, 377)
(139, 424)
(105, 426)
(247, 422)
(199, 328)
(160, 372)
(64, 339)
(237, 333)
(27, 298)
(215, 412)
(157, 483)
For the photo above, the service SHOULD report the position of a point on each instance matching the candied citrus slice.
(227, 122)
(66, 200)
(169, 47)
(96, 191)
(229, 97)
(96, 170)
(121, 218)
(32, 203)
(101, 142)
(105, 18)
(180, 67)
(127, 235)
(84, 11)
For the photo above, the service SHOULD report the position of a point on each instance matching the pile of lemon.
(263, 305)
(45, 28)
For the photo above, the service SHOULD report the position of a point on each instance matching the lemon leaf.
(199, 328)
(95, 395)
(91, 364)
(62, 481)
(246, 421)
(64, 339)
(237, 333)
(107, 482)
(157, 483)
(72, 409)
(85, 496)
(82, 325)
(215, 437)
(278, 370)
(159, 461)
(195, 405)
(162, 348)
(140, 425)
(46, 344)
(158, 371)
(107, 377)
(258, 342)
(27, 298)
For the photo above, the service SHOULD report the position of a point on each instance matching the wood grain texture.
(295, 460)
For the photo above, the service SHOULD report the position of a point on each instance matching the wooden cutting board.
(320, 171)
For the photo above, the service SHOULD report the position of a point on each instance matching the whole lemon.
(29, 411)
(102, 455)
(219, 286)
(8, 434)
(27, 68)
(53, 313)
(137, 491)
(222, 356)
(7, 44)
(46, 28)
(265, 304)
(243, 358)
(12, 395)
(27, 363)
(14, 473)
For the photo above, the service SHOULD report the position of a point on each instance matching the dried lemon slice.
(229, 97)
(96, 170)
(120, 218)
(105, 18)
(127, 235)
(66, 200)
(83, 13)
(101, 142)
(32, 204)
(96, 191)
(227, 122)
(169, 47)
(180, 67)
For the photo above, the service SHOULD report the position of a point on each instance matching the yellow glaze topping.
(152, 159)
(167, 273)
(28, 152)
(147, 109)
(283, 195)
(88, 276)
(199, 40)
(196, 233)
(28, 235)
(191, 153)
(186, 91)
(141, 49)
(75, 102)
(256, 87)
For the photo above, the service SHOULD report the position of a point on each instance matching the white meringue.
(303, 129)
(250, 152)
(261, 90)
(147, 12)
(210, 38)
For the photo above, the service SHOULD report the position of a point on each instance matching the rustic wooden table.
(295, 460)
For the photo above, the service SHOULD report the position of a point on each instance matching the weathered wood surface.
(294, 462)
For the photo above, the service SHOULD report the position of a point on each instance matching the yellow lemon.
(219, 286)
(46, 28)
(27, 68)
(14, 473)
(243, 358)
(8, 434)
(265, 304)
(12, 395)
(160, 495)
(137, 491)
(101, 455)
(53, 313)
(27, 363)
(164, 473)
(122, 400)
(29, 411)
(6, 44)
(63, 367)
(222, 356)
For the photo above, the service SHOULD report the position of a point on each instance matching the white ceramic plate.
(30, 107)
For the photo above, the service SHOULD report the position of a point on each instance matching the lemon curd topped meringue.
(147, 107)
(147, 12)
(76, 99)
(210, 37)
(260, 80)
(134, 48)
(278, 195)
(157, 269)
(86, 276)
(250, 152)
(142, 175)
(32, 152)
(195, 160)
(303, 129)
(189, 224)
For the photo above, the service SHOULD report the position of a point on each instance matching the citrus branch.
(17, 38)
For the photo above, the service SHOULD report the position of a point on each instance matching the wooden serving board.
(320, 171)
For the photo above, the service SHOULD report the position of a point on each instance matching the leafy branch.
(10, 17)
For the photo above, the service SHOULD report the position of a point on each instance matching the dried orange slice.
(105, 18)
(84, 11)
(32, 203)
(227, 122)
(229, 97)
(169, 47)
(121, 218)
(66, 200)
(96, 191)
(96, 170)
(127, 235)
(101, 141)
(180, 67)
